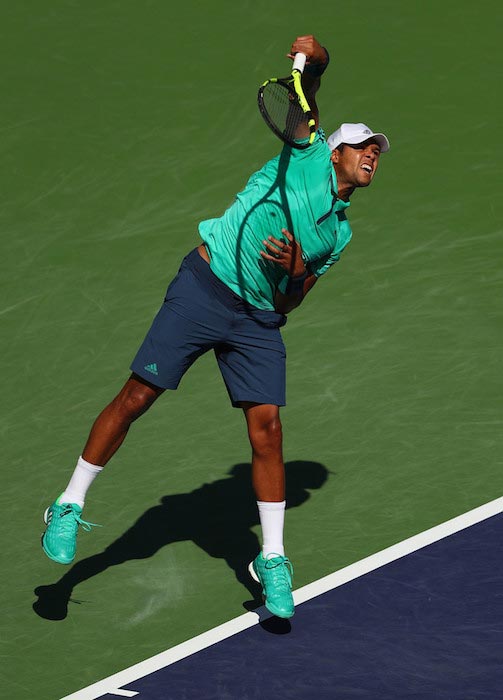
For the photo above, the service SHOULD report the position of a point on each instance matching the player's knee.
(132, 402)
(266, 435)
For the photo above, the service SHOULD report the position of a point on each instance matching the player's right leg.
(187, 325)
(63, 517)
(113, 423)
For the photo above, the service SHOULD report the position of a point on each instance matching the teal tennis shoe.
(274, 573)
(59, 541)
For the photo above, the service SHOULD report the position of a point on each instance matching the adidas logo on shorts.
(152, 368)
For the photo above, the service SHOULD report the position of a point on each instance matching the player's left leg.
(266, 439)
(271, 567)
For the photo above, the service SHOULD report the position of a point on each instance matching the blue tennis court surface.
(428, 625)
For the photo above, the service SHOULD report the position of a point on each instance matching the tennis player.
(256, 263)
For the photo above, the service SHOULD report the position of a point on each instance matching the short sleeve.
(319, 267)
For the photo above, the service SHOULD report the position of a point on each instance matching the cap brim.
(381, 139)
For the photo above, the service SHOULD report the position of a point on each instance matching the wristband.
(316, 70)
(296, 284)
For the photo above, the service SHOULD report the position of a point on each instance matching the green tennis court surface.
(123, 124)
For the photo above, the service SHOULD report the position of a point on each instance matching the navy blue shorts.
(201, 313)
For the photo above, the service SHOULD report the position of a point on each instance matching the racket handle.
(299, 62)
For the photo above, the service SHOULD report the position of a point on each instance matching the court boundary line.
(112, 684)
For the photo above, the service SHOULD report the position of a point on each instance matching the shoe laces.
(281, 569)
(68, 525)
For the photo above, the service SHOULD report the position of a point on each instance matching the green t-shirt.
(297, 190)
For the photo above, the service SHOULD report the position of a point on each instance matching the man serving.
(231, 295)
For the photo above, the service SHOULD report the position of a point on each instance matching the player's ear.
(334, 156)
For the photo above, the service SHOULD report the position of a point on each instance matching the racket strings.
(283, 109)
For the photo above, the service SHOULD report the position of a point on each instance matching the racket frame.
(293, 83)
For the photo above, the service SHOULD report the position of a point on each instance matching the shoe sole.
(252, 572)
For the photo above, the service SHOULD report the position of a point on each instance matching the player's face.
(357, 164)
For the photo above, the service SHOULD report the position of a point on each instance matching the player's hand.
(286, 255)
(311, 47)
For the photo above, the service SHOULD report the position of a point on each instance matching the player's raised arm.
(317, 62)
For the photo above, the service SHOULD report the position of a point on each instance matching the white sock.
(82, 478)
(272, 518)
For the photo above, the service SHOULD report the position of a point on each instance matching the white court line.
(112, 684)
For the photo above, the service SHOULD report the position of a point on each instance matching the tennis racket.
(286, 111)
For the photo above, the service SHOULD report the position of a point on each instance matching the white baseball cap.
(356, 133)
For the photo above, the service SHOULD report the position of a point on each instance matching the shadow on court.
(217, 517)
